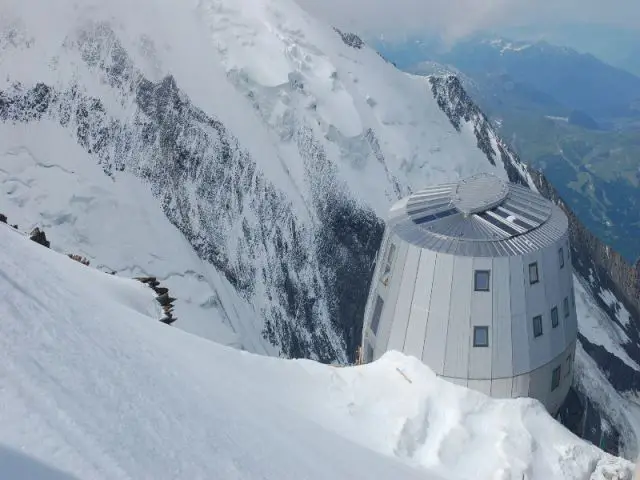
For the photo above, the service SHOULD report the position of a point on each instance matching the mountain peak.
(504, 45)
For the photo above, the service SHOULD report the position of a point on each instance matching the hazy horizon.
(459, 18)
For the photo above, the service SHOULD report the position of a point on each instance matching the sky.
(453, 19)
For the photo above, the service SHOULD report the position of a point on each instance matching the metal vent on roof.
(479, 193)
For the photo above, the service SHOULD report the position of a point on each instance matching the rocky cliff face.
(298, 275)
(279, 188)
(454, 101)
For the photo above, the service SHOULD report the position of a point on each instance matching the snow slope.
(94, 387)
(621, 406)
(261, 134)
(48, 180)
(599, 329)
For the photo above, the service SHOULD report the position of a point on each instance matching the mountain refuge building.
(474, 278)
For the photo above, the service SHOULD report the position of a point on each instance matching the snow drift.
(94, 386)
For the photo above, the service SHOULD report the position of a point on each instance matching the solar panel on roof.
(497, 223)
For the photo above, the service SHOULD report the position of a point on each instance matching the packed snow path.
(91, 384)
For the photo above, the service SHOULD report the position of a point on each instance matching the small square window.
(565, 306)
(481, 280)
(555, 378)
(369, 356)
(537, 325)
(533, 273)
(567, 367)
(377, 312)
(480, 336)
(554, 317)
(391, 255)
(561, 257)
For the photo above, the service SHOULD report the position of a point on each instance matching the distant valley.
(569, 114)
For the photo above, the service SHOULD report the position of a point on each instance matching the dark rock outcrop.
(163, 298)
(351, 39)
(146, 280)
(623, 377)
(582, 417)
(79, 258)
(39, 237)
(3, 218)
(161, 290)
(168, 319)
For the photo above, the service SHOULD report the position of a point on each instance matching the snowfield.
(93, 386)
(598, 328)
(331, 133)
(48, 180)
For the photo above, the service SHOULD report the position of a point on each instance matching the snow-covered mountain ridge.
(242, 152)
(284, 203)
(95, 387)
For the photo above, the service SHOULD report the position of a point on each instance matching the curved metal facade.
(503, 324)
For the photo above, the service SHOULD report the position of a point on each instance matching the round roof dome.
(479, 216)
(479, 193)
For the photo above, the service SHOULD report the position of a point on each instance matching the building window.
(391, 256)
(369, 354)
(561, 257)
(481, 280)
(537, 326)
(555, 378)
(565, 306)
(377, 312)
(567, 369)
(573, 298)
(480, 336)
(533, 273)
(554, 317)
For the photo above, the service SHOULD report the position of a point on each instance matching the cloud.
(456, 18)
